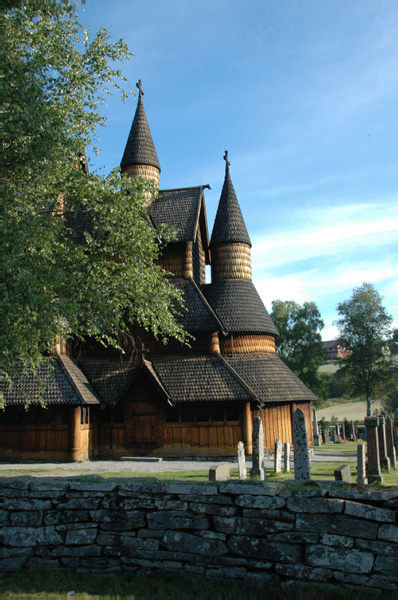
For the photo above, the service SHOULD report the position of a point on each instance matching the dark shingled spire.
(229, 225)
(140, 149)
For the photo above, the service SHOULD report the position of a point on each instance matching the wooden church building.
(169, 400)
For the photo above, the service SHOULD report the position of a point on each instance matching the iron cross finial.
(226, 158)
(139, 85)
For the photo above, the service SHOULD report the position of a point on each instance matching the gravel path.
(144, 466)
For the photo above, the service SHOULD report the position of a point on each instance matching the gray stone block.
(246, 526)
(259, 547)
(336, 524)
(337, 541)
(176, 520)
(183, 489)
(369, 512)
(135, 543)
(386, 564)
(315, 505)
(26, 518)
(13, 564)
(56, 517)
(29, 536)
(260, 502)
(303, 572)
(212, 509)
(80, 504)
(193, 544)
(388, 533)
(81, 536)
(171, 504)
(222, 500)
(226, 573)
(351, 561)
(343, 473)
(43, 563)
(272, 515)
(376, 547)
(92, 488)
(253, 489)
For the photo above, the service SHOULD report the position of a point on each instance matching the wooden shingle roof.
(269, 377)
(197, 315)
(199, 379)
(180, 209)
(229, 225)
(110, 376)
(239, 306)
(58, 382)
(140, 149)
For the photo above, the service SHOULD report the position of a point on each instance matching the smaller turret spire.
(140, 158)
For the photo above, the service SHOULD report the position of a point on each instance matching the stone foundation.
(254, 533)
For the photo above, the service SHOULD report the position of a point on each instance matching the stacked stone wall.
(254, 533)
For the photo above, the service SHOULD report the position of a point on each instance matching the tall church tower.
(232, 293)
(140, 158)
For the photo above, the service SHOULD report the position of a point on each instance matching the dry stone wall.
(256, 533)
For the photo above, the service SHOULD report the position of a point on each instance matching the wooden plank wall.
(50, 442)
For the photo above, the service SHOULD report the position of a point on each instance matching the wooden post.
(75, 434)
(247, 426)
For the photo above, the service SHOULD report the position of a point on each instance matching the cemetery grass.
(51, 585)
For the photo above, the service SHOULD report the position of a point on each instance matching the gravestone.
(343, 473)
(396, 431)
(302, 470)
(242, 461)
(257, 469)
(278, 456)
(220, 472)
(343, 431)
(381, 432)
(317, 441)
(390, 443)
(361, 465)
(286, 457)
(373, 471)
(353, 436)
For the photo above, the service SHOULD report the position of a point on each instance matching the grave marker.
(390, 443)
(381, 432)
(257, 469)
(278, 456)
(361, 465)
(373, 470)
(220, 472)
(286, 457)
(302, 470)
(242, 461)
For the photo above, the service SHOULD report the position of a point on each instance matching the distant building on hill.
(332, 349)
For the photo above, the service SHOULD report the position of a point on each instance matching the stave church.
(173, 400)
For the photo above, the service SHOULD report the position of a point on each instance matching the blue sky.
(304, 96)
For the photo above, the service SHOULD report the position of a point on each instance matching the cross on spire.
(139, 85)
(226, 158)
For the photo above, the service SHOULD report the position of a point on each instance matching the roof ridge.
(192, 187)
(237, 376)
(224, 331)
(78, 380)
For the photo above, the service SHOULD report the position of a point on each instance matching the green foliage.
(300, 344)
(78, 249)
(364, 327)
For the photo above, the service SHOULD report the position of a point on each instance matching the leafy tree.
(299, 343)
(78, 250)
(364, 327)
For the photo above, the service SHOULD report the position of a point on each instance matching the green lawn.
(37, 585)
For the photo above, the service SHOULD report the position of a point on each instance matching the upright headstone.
(396, 431)
(372, 440)
(337, 431)
(317, 440)
(353, 436)
(302, 470)
(390, 443)
(286, 457)
(343, 433)
(242, 461)
(278, 456)
(257, 469)
(361, 465)
(381, 432)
